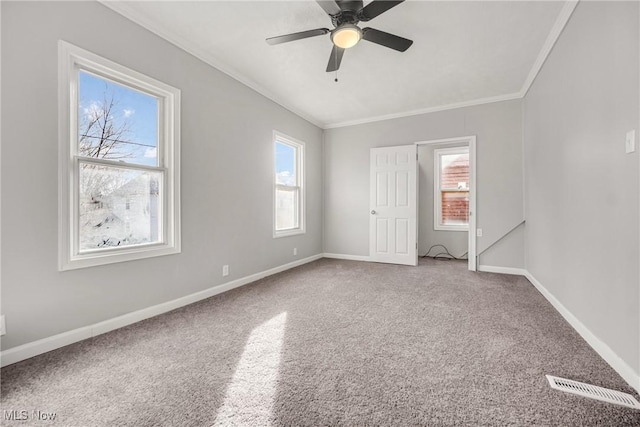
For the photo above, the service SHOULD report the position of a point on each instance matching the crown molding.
(453, 106)
(552, 38)
(124, 9)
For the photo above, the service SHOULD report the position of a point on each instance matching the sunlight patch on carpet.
(251, 393)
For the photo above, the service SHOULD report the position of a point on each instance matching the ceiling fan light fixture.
(346, 36)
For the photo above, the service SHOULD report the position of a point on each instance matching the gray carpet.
(331, 343)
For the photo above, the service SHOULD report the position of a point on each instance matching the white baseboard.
(44, 345)
(348, 257)
(25, 351)
(502, 270)
(619, 365)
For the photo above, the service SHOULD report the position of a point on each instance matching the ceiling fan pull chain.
(336, 61)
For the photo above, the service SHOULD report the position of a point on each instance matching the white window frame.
(71, 59)
(299, 165)
(437, 191)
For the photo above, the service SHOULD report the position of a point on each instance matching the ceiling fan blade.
(335, 59)
(375, 8)
(297, 36)
(329, 6)
(385, 39)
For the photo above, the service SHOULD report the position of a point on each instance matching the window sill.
(94, 260)
(451, 228)
(287, 233)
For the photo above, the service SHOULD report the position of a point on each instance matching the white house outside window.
(119, 162)
(288, 186)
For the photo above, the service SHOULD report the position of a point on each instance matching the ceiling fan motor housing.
(345, 16)
(350, 12)
(350, 5)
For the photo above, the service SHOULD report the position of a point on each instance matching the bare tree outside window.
(118, 206)
(101, 135)
(119, 163)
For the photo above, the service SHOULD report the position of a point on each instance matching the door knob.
(373, 212)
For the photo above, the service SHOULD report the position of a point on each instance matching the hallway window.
(451, 198)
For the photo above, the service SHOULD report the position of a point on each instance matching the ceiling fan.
(345, 16)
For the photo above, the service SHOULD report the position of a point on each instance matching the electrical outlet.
(630, 142)
(295, 251)
(225, 270)
(3, 328)
(479, 232)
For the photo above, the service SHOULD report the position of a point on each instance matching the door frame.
(412, 167)
(473, 211)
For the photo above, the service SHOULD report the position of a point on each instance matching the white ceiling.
(464, 53)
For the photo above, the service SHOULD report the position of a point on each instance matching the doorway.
(447, 206)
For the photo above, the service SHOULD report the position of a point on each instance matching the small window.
(451, 196)
(119, 170)
(288, 186)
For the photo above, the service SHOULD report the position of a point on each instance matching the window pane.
(285, 164)
(455, 207)
(286, 208)
(116, 122)
(118, 207)
(454, 171)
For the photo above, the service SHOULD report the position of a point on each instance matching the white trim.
(473, 204)
(71, 59)
(502, 270)
(638, 123)
(552, 38)
(299, 146)
(603, 350)
(470, 141)
(481, 101)
(619, 365)
(122, 8)
(348, 257)
(437, 188)
(1, 156)
(25, 351)
(287, 233)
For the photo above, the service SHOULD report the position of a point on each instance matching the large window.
(119, 149)
(288, 186)
(451, 197)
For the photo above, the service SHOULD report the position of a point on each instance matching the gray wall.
(226, 175)
(582, 189)
(508, 251)
(498, 128)
(456, 242)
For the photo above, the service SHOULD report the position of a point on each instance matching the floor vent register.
(594, 392)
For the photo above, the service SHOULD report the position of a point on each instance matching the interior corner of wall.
(505, 251)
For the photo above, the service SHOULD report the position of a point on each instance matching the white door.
(393, 205)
